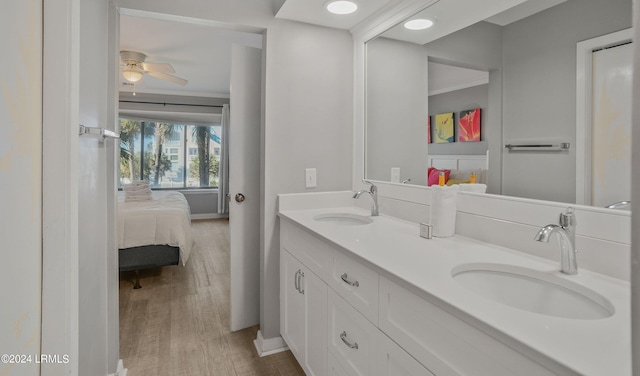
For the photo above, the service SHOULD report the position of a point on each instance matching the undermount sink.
(533, 291)
(346, 219)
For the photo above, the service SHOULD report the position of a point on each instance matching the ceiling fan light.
(131, 74)
(342, 7)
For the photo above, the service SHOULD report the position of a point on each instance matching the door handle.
(296, 281)
(240, 197)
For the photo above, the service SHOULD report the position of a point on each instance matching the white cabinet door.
(335, 369)
(352, 339)
(291, 304)
(315, 323)
(303, 316)
(395, 361)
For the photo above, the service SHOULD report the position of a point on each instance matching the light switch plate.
(310, 178)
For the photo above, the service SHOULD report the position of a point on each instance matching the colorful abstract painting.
(444, 128)
(469, 125)
(429, 129)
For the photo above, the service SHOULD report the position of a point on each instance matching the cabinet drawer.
(394, 361)
(313, 252)
(357, 284)
(352, 339)
(443, 343)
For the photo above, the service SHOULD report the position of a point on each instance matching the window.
(168, 155)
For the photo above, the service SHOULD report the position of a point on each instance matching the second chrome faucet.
(566, 231)
(373, 193)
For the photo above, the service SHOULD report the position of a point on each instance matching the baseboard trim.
(266, 347)
(120, 371)
(209, 216)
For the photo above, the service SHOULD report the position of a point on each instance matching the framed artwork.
(469, 125)
(444, 128)
(429, 129)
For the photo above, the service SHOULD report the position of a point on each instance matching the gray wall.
(540, 91)
(396, 110)
(532, 89)
(456, 101)
(308, 123)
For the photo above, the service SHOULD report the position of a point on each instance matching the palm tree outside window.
(169, 155)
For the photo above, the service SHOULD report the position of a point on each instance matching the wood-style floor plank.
(178, 323)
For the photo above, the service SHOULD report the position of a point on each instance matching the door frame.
(60, 258)
(584, 109)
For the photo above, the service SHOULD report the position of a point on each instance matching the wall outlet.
(395, 174)
(310, 178)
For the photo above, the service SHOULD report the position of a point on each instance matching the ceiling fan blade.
(158, 67)
(167, 77)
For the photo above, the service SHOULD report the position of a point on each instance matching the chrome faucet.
(373, 192)
(566, 231)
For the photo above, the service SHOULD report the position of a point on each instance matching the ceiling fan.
(134, 67)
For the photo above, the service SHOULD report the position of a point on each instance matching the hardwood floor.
(178, 323)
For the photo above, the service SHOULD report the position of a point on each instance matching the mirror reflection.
(517, 64)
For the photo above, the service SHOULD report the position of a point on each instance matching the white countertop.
(588, 347)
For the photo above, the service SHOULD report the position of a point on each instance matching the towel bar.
(539, 147)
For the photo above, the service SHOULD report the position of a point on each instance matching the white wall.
(635, 200)
(397, 100)
(247, 15)
(20, 178)
(308, 123)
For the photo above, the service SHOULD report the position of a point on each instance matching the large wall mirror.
(516, 62)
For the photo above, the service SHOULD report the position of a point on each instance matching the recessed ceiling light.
(342, 7)
(418, 24)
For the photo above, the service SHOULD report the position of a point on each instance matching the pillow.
(434, 174)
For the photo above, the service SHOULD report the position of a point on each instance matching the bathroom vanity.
(362, 295)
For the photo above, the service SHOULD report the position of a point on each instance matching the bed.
(153, 233)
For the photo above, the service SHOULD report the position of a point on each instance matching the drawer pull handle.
(300, 283)
(345, 279)
(296, 281)
(343, 337)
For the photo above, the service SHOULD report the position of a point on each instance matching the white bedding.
(164, 220)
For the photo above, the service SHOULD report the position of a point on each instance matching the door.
(611, 133)
(244, 185)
